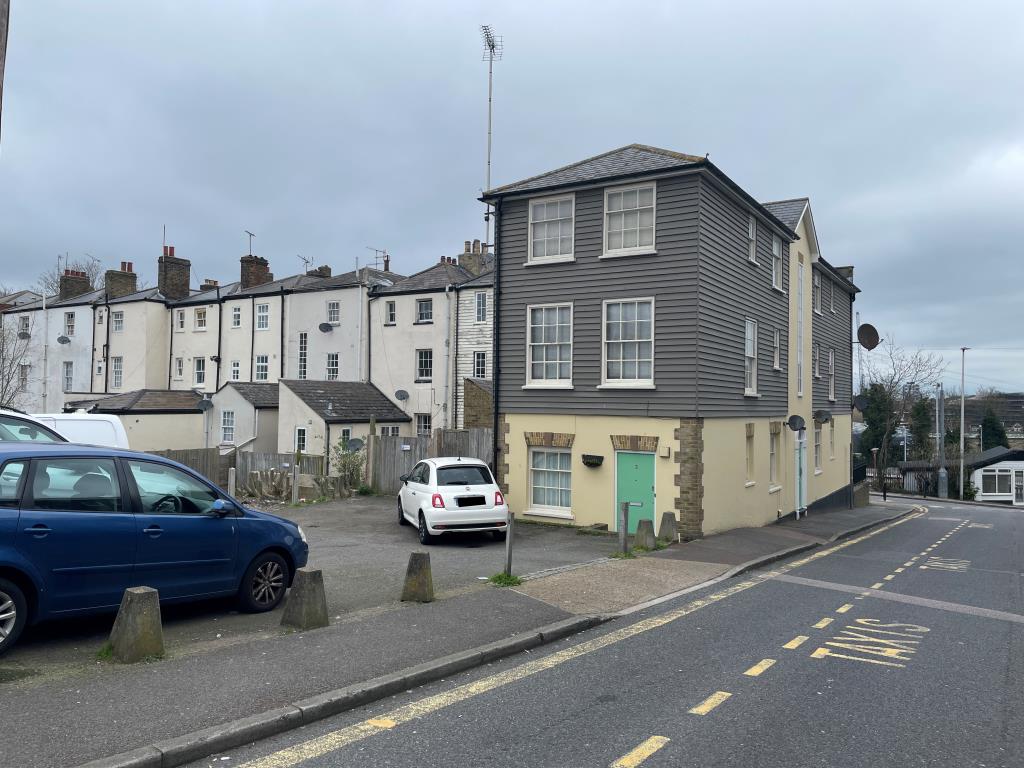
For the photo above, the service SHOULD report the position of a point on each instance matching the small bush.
(364, 490)
(504, 580)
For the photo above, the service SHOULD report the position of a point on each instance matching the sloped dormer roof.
(788, 211)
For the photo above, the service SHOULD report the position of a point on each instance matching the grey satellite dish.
(62, 339)
(822, 416)
(867, 336)
(355, 444)
(325, 327)
(204, 405)
(860, 403)
(24, 335)
(796, 422)
(215, 358)
(401, 395)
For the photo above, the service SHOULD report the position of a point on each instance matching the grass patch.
(504, 580)
(105, 653)
(590, 531)
(622, 555)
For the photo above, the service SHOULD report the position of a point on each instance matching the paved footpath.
(899, 646)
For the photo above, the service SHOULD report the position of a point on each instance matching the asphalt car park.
(363, 553)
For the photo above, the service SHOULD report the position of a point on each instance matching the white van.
(89, 428)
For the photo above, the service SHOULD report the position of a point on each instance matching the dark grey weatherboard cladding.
(833, 330)
(732, 289)
(670, 277)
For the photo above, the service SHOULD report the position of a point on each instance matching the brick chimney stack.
(173, 275)
(472, 258)
(120, 282)
(73, 283)
(208, 284)
(387, 262)
(321, 271)
(255, 271)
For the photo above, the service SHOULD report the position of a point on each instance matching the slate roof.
(260, 395)
(141, 401)
(435, 278)
(339, 402)
(631, 159)
(787, 211)
(971, 461)
(290, 284)
(485, 280)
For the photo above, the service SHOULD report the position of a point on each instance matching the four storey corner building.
(655, 329)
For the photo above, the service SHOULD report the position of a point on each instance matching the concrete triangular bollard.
(668, 531)
(419, 583)
(306, 604)
(644, 536)
(137, 633)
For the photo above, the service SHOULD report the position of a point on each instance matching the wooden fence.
(206, 461)
(246, 462)
(392, 457)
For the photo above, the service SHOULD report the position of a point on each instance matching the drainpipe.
(220, 329)
(360, 282)
(92, 349)
(495, 360)
(252, 340)
(46, 348)
(106, 347)
(170, 346)
(455, 393)
(369, 334)
(447, 350)
(281, 376)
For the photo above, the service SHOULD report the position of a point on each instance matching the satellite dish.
(204, 405)
(796, 422)
(325, 327)
(822, 416)
(62, 339)
(215, 358)
(401, 395)
(860, 403)
(355, 444)
(867, 335)
(24, 335)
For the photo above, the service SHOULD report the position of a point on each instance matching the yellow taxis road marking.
(710, 703)
(760, 667)
(823, 623)
(894, 642)
(330, 742)
(796, 642)
(634, 757)
(844, 608)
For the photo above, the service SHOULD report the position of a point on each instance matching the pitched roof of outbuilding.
(259, 394)
(633, 158)
(345, 401)
(141, 401)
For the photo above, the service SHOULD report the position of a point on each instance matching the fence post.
(231, 481)
(508, 543)
(624, 527)
(295, 482)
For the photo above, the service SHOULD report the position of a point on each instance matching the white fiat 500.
(452, 495)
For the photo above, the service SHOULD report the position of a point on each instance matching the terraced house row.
(656, 329)
(151, 355)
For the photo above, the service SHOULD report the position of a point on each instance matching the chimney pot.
(165, 250)
(170, 251)
(387, 263)
(465, 248)
(476, 246)
(131, 266)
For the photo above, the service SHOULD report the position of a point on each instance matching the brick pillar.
(501, 460)
(690, 480)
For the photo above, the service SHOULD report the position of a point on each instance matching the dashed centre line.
(760, 667)
(844, 608)
(823, 623)
(638, 754)
(710, 703)
(796, 642)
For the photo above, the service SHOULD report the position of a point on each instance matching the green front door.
(634, 482)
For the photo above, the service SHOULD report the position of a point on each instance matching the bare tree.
(897, 377)
(48, 282)
(12, 356)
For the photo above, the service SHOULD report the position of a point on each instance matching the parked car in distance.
(452, 495)
(89, 428)
(19, 427)
(80, 524)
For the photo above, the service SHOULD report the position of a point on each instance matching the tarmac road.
(899, 647)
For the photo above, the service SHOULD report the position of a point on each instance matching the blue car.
(80, 524)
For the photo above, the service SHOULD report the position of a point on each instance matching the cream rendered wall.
(593, 488)
(730, 500)
(393, 353)
(143, 346)
(292, 413)
(44, 393)
(164, 431)
(243, 345)
(305, 312)
(249, 422)
(191, 343)
(473, 337)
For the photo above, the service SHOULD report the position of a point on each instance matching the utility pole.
(493, 49)
(963, 362)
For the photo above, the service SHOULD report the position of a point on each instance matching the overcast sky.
(329, 127)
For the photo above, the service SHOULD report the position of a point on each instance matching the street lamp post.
(963, 360)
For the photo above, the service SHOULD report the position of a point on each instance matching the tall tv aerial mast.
(494, 47)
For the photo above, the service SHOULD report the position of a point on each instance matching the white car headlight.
(302, 534)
